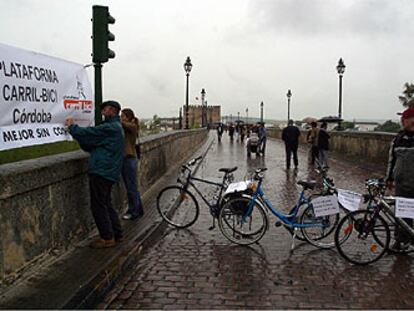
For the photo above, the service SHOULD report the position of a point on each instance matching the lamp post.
(247, 115)
(203, 110)
(261, 112)
(289, 95)
(340, 68)
(187, 68)
(206, 105)
(180, 119)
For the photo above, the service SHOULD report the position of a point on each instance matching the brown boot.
(101, 243)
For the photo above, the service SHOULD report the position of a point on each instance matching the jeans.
(323, 158)
(289, 151)
(106, 218)
(314, 153)
(129, 175)
(262, 145)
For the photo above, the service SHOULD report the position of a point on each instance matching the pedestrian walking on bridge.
(312, 138)
(262, 138)
(105, 143)
(323, 146)
(290, 135)
(220, 130)
(231, 132)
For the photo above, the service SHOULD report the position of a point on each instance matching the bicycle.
(245, 216)
(179, 207)
(368, 231)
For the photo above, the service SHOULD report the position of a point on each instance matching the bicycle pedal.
(278, 224)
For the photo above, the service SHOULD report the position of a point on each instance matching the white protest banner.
(404, 207)
(325, 205)
(37, 94)
(350, 200)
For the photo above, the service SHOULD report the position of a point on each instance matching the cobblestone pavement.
(200, 269)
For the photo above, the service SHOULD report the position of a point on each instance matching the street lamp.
(289, 95)
(247, 115)
(207, 121)
(203, 111)
(180, 119)
(261, 112)
(341, 69)
(187, 68)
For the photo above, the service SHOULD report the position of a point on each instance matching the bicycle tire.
(317, 235)
(237, 230)
(182, 215)
(354, 225)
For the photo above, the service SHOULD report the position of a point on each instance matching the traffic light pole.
(98, 93)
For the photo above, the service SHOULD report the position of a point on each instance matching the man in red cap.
(400, 172)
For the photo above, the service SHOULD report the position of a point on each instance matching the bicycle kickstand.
(292, 247)
(214, 225)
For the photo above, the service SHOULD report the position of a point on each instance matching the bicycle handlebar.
(194, 161)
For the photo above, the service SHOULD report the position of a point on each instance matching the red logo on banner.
(77, 104)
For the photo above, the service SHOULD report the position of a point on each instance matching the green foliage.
(345, 126)
(407, 97)
(156, 122)
(348, 125)
(33, 152)
(389, 126)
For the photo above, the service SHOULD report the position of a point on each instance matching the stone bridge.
(45, 222)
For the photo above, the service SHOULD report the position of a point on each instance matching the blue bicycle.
(243, 221)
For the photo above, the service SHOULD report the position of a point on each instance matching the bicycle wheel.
(238, 227)
(319, 232)
(177, 206)
(367, 237)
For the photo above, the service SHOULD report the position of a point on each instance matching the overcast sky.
(243, 52)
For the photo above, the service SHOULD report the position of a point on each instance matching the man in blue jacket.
(105, 143)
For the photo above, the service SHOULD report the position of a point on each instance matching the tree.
(407, 99)
(388, 126)
(156, 122)
(346, 125)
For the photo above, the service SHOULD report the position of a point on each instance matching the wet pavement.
(197, 268)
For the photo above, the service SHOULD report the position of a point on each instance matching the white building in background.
(366, 126)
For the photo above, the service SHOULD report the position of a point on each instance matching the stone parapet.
(372, 146)
(44, 203)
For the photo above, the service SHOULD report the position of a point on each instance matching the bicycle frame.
(205, 181)
(389, 212)
(289, 220)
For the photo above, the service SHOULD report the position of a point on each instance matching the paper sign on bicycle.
(404, 207)
(325, 205)
(350, 200)
(236, 187)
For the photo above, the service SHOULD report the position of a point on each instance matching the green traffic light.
(101, 34)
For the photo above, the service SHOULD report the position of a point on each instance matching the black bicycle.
(179, 207)
(368, 232)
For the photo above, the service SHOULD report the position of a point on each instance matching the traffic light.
(101, 34)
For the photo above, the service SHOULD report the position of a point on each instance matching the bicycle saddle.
(307, 184)
(261, 170)
(228, 170)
